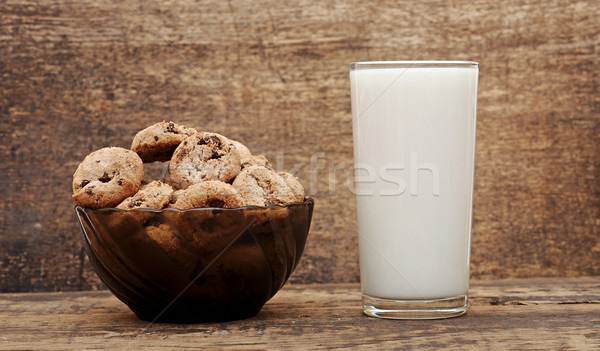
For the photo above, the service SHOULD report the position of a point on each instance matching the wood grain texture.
(77, 76)
(540, 314)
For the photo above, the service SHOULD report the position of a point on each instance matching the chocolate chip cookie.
(175, 247)
(262, 186)
(211, 193)
(106, 177)
(294, 184)
(155, 195)
(204, 156)
(258, 160)
(243, 149)
(157, 142)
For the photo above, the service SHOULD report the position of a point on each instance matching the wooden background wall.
(79, 75)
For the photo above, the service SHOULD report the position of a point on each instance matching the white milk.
(414, 137)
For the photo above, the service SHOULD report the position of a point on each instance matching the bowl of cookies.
(212, 240)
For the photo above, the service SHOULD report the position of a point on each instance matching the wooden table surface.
(541, 313)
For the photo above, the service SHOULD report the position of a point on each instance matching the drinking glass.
(414, 148)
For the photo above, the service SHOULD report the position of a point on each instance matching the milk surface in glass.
(414, 137)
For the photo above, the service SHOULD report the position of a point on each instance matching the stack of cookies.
(204, 170)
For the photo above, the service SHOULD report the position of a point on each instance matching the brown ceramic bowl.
(198, 265)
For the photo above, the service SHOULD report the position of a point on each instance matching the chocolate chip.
(136, 203)
(171, 128)
(215, 140)
(210, 139)
(215, 154)
(84, 183)
(155, 138)
(105, 178)
(120, 182)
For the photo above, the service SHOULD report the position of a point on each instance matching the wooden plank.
(543, 313)
(76, 76)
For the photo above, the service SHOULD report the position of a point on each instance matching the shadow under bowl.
(197, 265)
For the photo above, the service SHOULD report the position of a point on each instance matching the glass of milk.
(414, 148)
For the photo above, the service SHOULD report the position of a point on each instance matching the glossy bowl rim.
(307, 201)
